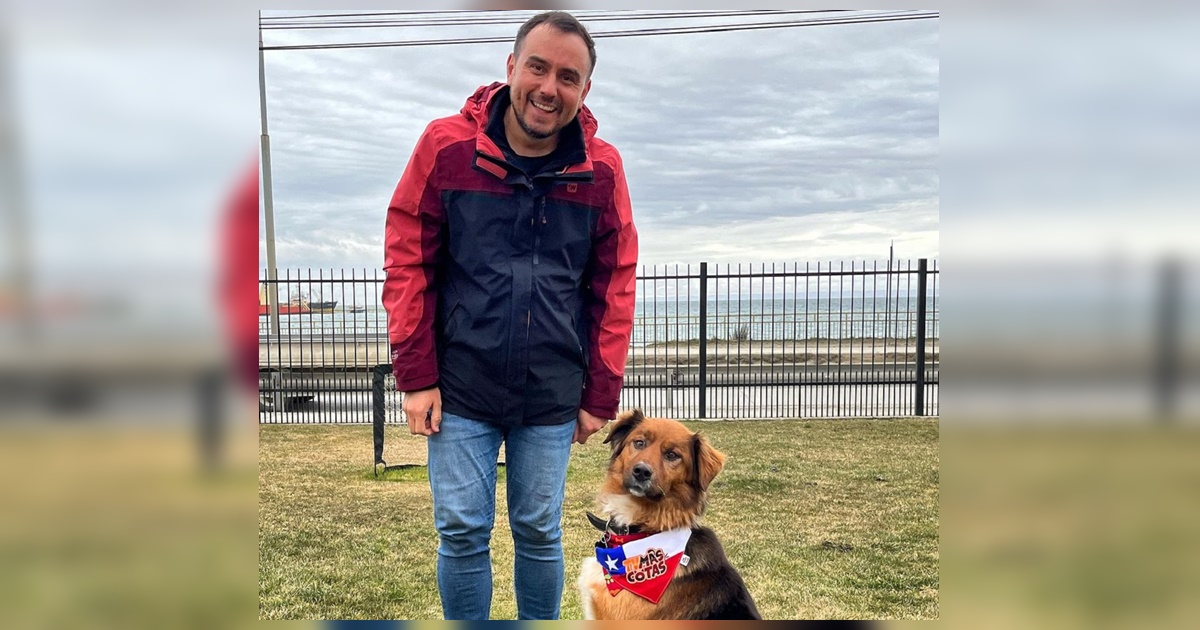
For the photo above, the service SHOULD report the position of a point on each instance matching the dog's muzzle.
(640, 482)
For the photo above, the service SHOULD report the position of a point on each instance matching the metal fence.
(709, 341)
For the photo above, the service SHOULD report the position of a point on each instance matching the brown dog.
(658, 478)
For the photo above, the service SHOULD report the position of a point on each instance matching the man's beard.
(530, 131)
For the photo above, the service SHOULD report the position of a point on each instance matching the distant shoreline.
(858, 351)
(854, 351)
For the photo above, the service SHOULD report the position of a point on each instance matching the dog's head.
(660, 461)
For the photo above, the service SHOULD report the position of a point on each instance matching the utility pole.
(268, 204)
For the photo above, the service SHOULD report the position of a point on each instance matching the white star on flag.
(611, 562)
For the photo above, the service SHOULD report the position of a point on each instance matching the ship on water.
(295, 306)
(320, 305)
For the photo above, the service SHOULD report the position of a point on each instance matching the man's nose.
(642, 472)
(545, 88)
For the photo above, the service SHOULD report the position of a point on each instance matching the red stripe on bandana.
(648, 583)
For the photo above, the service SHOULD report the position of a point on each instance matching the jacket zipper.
(537, 231)
(537, 238)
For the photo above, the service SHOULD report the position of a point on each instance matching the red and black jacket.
(513, 294)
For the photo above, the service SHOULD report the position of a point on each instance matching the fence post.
(922, 273)
(1168, 339)
(210, 387)
(277, 400)
(703, 335)
(378, 411)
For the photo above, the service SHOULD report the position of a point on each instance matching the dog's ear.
(706, 462)
(621, 429)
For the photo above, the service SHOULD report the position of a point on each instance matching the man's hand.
(424, 411)
(587, 425)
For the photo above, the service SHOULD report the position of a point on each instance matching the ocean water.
(780, 319)
(762, 318)
(751, 302)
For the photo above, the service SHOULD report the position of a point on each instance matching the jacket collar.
(486, 109)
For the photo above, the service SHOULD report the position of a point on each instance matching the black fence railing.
(316, 356)
(755, 341)
(709, 341)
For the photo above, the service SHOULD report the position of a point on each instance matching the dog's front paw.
(591, 578)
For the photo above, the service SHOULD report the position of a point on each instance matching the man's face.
(549, 80)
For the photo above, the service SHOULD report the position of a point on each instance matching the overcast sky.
(799, 144)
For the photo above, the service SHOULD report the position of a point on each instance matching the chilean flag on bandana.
(645, 566)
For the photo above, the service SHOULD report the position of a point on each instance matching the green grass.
(108, 526)
(824, 519)
(1072, 526)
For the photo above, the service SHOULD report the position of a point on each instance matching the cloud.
(733, 140)
(826, 236)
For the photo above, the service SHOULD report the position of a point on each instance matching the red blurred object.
(239, 273)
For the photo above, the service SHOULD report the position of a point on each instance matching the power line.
(289, 24)
(753, 26)
(376, 13)
(582, 15)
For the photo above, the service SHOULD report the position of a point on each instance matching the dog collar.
(644, 566)
(615, 535)
(607, 525)
(611, 539)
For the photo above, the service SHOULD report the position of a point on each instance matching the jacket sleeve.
(412, 250)
(609, 300)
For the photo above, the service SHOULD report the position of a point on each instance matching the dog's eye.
(671, 456)
(639, 443)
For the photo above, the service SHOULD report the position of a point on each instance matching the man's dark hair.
(565, 23)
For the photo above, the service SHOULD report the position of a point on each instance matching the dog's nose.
(642, 472)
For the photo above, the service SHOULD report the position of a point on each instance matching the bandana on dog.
(644, 566)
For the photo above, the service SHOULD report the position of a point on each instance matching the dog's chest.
(624, 605)
(599, 603)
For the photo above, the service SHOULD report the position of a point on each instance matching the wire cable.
(500, 20)
(875, 18)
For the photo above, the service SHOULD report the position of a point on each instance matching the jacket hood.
(479, 104)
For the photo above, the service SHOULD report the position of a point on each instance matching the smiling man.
(510, 252)
(548, 73)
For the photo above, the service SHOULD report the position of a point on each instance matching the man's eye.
(639, 443)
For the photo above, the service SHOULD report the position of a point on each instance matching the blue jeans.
(462, 475)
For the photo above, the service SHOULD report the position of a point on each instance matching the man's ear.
(706, 462)
(509, 67)
(621, 429)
